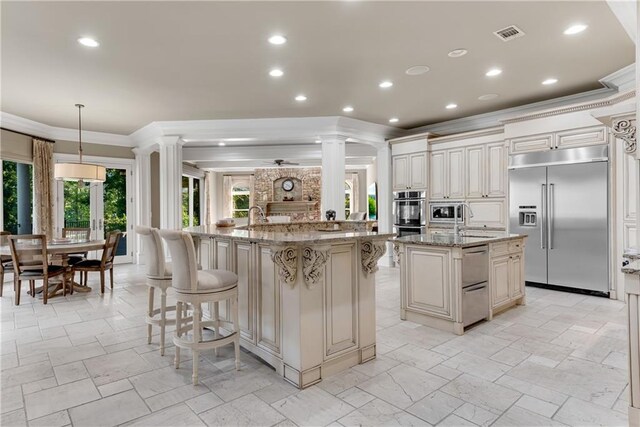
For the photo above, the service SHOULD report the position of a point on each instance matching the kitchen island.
(450, 282)
(306, 292)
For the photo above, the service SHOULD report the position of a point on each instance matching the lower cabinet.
(428, 281)
(506, 274)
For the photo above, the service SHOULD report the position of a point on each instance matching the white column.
(170, 182)
(143, 193)
(333, 165)
(383, 171)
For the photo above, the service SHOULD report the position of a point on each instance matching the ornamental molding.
(286, 258)
(396, 253)
(370, 252)
(314, 260)
(626, 131)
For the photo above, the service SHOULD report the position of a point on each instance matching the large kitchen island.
(450, 281)
(306, 292)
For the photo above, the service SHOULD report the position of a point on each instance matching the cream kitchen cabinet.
(582, 137)
(447, 174)
(490, 213)
(486, 167)
(506, 274)
(410, 171)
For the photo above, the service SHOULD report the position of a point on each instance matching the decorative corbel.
(286, 258)
(396, 253)
(370, 252)
(623, 129)
(314, 258)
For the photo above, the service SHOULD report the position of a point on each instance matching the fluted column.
(143, 193)
(170, 182)
(333, 165)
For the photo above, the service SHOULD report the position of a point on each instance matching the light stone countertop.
(452, 241)
(281, 238)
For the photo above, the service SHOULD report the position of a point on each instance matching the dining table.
(62, 248)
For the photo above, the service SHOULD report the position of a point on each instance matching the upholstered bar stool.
(195, 287)
(158, 277)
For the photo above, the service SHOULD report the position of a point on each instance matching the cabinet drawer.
(531, 143)
(581, 137)
(515, 247)
(499, 249)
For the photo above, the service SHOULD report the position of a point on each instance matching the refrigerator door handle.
(550, 215)
(543, 209)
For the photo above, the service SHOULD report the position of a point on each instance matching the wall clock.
(287, 185)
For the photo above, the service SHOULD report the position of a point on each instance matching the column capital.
(142, 151)
(169, 140)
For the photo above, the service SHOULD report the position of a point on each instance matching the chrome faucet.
(262, 217)
(456, 226)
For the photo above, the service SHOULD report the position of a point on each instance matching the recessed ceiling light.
(277, 39)
(276, 72)
(493, 72)
(386, 84)
(89, 42)
(348, 109)
(394, 120)
(488, 96)
(457, 53)
(221, 144)
(575, 29)
(550, 81)
(318, 141)
(301, 98)
(416, 70)
(451, 106)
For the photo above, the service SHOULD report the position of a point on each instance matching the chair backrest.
(184, 267)
(357, 216)
(29, 252)
(4, 238)
(76, 233)
(110, 246)
(153, 252)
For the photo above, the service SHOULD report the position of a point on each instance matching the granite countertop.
(313, 237)
(633, 256)
(450, 240)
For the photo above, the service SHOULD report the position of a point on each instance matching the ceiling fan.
(280, 162)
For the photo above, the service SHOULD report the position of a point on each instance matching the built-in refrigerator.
(559, 198)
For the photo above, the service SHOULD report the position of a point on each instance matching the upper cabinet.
(486, 171)
(409, 171)
(447, 174)
(583, 137)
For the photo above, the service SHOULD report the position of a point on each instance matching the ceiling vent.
(509, 33)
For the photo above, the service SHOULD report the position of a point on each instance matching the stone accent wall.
(267, 188)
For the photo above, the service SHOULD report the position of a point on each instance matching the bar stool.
(196, 287)
(158, 277)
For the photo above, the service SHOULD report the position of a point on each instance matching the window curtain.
(355, 193)
(43, 188)
(227, 185)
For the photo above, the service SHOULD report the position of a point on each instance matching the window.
(348, 195)
(17, 197)
(190, 201)
(240, 194)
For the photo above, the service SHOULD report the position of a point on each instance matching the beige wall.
(98, 150)
(155, 189)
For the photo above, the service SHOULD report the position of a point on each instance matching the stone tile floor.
(83, 360)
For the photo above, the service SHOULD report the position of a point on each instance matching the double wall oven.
(409, 212)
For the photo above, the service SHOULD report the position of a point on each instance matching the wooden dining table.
(64, 248)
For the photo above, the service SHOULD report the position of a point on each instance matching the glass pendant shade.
(81, 172)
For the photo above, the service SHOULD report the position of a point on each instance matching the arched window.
(240, 193)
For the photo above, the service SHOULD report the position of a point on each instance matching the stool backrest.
(183, 260)
(153, 252)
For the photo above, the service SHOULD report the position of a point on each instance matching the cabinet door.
(527, 144)
(418, 171)
(475, 172)
(428, 281)
(581, 137)
(516, 283)
(496, 168)
(487, 213)
(629, 186)
(244, 266)
(400, 166)
(499, 278)
(437, 174)
(455, 165)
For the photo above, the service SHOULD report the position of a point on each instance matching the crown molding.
(20, 124)
(466, 135)
(622, 80)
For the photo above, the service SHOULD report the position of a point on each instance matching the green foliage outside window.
(372, 207)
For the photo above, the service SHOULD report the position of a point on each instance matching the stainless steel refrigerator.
(559, 198)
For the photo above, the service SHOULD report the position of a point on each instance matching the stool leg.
(197, 338)
(150, 313)
(216, 324)
(163, 317)
(236, 329)
(178, 332)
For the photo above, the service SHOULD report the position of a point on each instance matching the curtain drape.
(227, 185)
(355, 193)
(43, 188)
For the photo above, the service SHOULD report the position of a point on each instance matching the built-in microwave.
(446, 212)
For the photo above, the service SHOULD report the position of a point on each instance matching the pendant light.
(80, 172)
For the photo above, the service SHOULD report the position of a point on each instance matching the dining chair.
(6, 264)
(104, 263)
(31, 262)
(195, 287)
(77, 233)
(158, 277)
